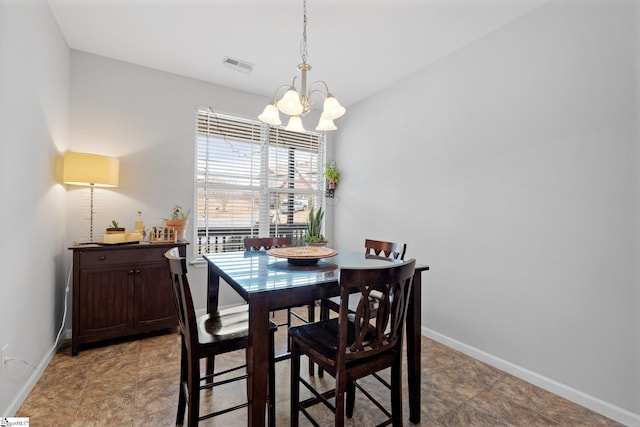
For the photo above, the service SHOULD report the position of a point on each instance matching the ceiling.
(357, 47)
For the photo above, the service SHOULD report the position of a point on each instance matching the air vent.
(238, 64)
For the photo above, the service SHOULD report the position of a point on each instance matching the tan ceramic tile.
(64, 360)
(437, 356)
(567, 413)
(58, 386)
(106, 385)
(467, 415)
(160, 354)
(43, 410)
(57, 418)
(115, 410)
(156, 395)
(117, 349)
(523, 393)
(467, 378)
(126, 363)
(164, 418)
(506, 411)
(164, 340)
(437, 400)
(168, 371)
(135, 382)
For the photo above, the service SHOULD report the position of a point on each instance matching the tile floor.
(135, 383)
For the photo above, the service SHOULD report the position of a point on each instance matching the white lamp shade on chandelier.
(297, 104)
(270, 115)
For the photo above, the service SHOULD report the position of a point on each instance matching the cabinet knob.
(130, 272)
(137, 271)
(102, 258)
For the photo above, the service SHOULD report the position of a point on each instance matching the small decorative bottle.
(139, 227)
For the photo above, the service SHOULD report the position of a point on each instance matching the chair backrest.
(265, 243)
(375, 330)
(183, 300)
(385, 249)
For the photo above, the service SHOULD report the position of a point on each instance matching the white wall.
(510, 167)
(34, 87)
(145, 118)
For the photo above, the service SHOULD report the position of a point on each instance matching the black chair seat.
(226, 325)
(322, 341)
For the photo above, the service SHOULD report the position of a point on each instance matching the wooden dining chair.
(266, 243)
(356, 344)
(207, 336)
(373, 248)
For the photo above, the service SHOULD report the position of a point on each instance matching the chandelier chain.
(304, 32)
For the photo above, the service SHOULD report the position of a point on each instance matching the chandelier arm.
(293, 82)
(275, 94)
(319, 82)
(316, 91)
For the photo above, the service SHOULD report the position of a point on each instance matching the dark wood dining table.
(268, 283)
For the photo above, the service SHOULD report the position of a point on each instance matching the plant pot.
(179, 226)
(332, 185)
(319, 244)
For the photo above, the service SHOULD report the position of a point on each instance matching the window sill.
(198, 262)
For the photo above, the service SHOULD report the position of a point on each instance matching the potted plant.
(313, 236)
(178, 221)
(333, 176)
(115, 228)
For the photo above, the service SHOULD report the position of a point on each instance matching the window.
(252, 179)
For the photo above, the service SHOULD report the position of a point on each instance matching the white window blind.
(252, 179)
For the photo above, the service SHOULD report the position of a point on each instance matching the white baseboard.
(593, 403)
(29, 384)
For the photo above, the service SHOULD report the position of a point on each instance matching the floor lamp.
(91, 170)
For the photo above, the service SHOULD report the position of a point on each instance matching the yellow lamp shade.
(90, 169)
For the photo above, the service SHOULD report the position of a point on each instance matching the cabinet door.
(154, 305)
(105, 298)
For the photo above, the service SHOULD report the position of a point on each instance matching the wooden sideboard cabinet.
(121, 290)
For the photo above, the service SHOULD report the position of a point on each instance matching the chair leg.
(396, 392)
(193, 401)
(340, 390)
(311, 317)
(182, 400)
(288, 326)
(211, 364)
(272, 381)
(324, 315)
(295, 385)
(351, 399)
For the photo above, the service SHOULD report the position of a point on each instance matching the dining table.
(270, 283)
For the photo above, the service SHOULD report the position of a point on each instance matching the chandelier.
(296, 103)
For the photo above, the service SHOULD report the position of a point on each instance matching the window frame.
(268, 146)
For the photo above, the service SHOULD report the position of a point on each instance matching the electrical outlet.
(3, 356)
